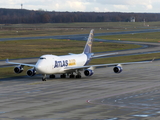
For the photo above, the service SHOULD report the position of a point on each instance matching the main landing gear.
(77, 76)
(71, 75)
(63, 76)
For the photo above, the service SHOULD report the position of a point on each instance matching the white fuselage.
(51, 64)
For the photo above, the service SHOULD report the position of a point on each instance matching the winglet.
(7, 61)
(103, 55)
(153, 59)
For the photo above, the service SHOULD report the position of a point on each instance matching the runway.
(132, 95)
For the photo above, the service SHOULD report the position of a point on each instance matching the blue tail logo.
(88, 47)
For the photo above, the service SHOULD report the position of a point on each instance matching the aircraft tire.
(72, 76)
(44, 79)
(78, 76)
(63, 76)
(52, 76)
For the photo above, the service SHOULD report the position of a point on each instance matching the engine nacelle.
(118, 69)
(31, 72)
(18, 70)
(88, 72)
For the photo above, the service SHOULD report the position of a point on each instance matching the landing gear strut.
(44, 78)
(63, 76)
(72, 76)
(78, 74)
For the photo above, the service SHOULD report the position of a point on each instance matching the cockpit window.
(42, 58)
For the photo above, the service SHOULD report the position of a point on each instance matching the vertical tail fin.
(88, 47)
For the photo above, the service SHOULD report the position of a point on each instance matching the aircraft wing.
(114, 64)
(103, 55)
(104, 65)
(21, 64)
(76, 68)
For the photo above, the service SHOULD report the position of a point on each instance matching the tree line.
(16, 16)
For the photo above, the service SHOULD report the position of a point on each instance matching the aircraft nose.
(40, 68)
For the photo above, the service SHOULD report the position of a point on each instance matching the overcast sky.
(152, 6)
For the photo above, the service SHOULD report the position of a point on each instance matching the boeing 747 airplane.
(68, 65)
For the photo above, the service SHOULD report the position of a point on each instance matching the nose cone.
(40, 68)
(44, 64)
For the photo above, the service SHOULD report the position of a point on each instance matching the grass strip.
(8, 72)
(139, 37)
(48, 29)
(36, 48)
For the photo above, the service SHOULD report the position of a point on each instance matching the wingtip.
(7, 60)
(153, 59)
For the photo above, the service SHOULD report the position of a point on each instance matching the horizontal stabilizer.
(71, 53)
(103, 55)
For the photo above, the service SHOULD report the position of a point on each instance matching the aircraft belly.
(56, 71)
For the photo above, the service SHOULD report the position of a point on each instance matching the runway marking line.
(90, 101)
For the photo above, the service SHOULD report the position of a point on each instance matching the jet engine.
(88, 72)
(18, 70)
(31, 72)
(118, 69)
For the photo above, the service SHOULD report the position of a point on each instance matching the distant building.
(132, 19)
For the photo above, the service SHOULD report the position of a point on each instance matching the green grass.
(140, 37)
(8, 72)
(36, 48)
(108, 25)
(29, 30)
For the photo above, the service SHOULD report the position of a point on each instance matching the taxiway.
(131, 95)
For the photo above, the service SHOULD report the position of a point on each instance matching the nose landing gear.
(44, 78)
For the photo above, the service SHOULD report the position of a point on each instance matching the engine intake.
(18, 70)
(31, 72)
(88, 72)
(118, 69)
